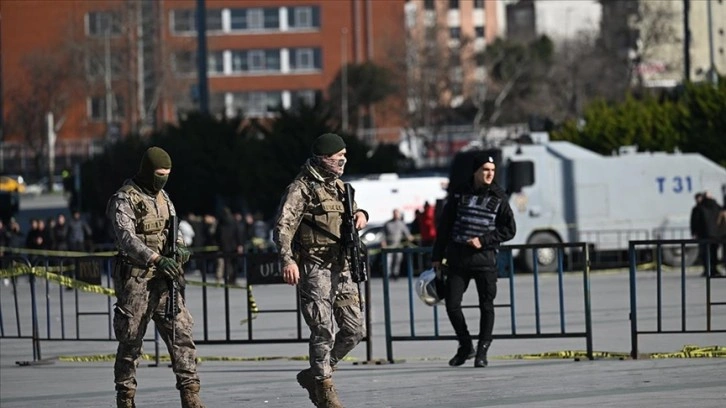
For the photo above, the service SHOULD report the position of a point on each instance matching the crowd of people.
(233, 233)
(54, 234)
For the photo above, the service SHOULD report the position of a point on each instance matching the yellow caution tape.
(252, 304)
(47, 273)
(45, 252)
(167, 358)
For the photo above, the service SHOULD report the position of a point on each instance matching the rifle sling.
(321, 230)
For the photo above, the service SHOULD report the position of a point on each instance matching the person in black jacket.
(704, 225)
(475, 220)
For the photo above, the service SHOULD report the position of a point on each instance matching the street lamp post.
(713, 76)
(344, 78)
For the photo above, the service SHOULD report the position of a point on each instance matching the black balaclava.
(154, 158)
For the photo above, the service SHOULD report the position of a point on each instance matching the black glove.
(182, 255)
(168, 268)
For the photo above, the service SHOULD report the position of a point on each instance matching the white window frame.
(303, 53)
(255, 19)
(256, 54)
(189, 16)
(108, 16)
(303, 12)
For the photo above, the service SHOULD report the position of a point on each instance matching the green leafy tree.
(366, 85)
(691, 120)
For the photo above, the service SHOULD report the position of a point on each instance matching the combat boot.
(190, 397)
(326, 395)
(306, 379)
(481, 353)
(463, 353)
(125, 399)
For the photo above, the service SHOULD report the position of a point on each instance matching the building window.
(238, 19)
(251, 104)
(97, 108)
(478, 4)
(272, 18)
(479, 31)
(185, 62)
(102, 22)
(215, 62)
(96, 66)
(185, 21)
(307, 97)
(305, 59)
(256, 61)
(455, 33)
(214, 20)
(429, 5)
(304, 17)
(453, 4)
(255, 19)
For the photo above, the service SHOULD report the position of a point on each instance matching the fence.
(673, 293)
(47, 314)
(517, 330)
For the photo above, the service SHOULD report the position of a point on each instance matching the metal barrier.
(83, 278)
(683, 246)
(507, 270)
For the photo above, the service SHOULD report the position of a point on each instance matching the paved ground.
(422, 377)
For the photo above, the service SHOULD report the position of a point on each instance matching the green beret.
(328, 144)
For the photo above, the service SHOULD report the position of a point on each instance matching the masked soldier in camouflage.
(307, 234)
(139, 212)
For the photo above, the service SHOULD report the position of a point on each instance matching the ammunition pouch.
(126, 269)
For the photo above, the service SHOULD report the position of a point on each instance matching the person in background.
(60, 233)
(394, 232)
(476, 219)
(78, 232)
(704, 225)
(230, 245)
(427, 225)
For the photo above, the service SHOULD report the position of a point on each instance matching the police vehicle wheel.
(546, 258)
(672, 255)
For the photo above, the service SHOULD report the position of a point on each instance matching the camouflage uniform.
(140, 227)
(326, 288)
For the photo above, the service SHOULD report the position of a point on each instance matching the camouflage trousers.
(138, 301)
(327, 293)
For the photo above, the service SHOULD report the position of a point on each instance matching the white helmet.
(429, 288)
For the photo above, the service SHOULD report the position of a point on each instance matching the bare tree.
(46, 88)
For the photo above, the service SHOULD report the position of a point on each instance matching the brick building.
(122, 65)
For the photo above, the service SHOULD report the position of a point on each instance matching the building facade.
(132, 64)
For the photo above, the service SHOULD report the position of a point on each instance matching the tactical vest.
(475, 216)
(326, 210)
(151, 226)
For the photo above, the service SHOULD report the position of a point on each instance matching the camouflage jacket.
(140, 222)
(319, 202)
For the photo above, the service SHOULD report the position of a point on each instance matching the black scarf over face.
(154, 158)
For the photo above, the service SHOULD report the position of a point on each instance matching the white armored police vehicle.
(380, 194)
(561, 192)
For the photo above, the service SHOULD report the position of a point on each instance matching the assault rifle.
(172, 302)
(355, 251)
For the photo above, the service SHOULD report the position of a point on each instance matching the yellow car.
(12, 184)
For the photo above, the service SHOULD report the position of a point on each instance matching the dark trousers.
(709, 252)
(457, 281)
